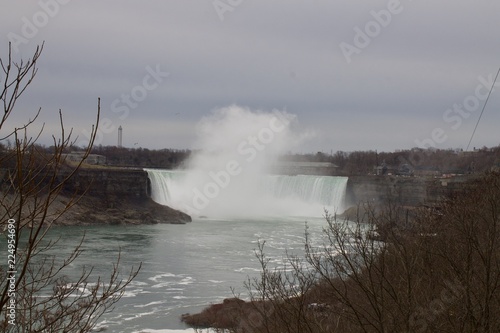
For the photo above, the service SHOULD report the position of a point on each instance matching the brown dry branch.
(45, 300)
(431, 273)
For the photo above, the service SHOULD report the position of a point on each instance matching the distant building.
(92, 159)
(404, 170)
(382, 169)
(385, 169)
(304, 168)
(427, 171)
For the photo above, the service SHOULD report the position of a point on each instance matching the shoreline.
(95, 211)
(88, 210)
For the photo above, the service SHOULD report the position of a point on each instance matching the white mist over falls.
(229, 176)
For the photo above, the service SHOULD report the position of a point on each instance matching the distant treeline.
(142, 157)
(419, 161)
(121, 156)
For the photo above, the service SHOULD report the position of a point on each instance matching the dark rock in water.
(94, 211)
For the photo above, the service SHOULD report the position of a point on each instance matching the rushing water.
(198, 192)
(185, 267)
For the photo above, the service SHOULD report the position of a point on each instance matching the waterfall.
(325, 190)
(265, 195)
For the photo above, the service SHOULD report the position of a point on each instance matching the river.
(184, 267)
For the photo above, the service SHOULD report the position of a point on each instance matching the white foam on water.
(187, 280)
(164, 284)
(159, 276)
(139, 315)
(245, 269)
(132, 293)
(147, 330)
(180, 297)
(138, 283)
(149, 304)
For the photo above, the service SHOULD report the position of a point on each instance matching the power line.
(484, 106)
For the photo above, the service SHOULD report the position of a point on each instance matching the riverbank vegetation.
(435, 271)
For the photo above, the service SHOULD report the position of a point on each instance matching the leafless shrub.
(44, 299)
(428, 272)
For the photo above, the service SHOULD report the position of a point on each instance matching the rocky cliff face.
(122, 195)
(408, 191)
(109, 183)
(115, 196)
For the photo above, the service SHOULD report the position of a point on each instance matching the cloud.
(266, 55)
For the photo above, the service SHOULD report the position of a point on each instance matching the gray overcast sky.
(359, 74)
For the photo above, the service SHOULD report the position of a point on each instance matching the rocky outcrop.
(101, 195)
(89, 210)
(109, 184)
(115, 196)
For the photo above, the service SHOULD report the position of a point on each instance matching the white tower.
(120, 136)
